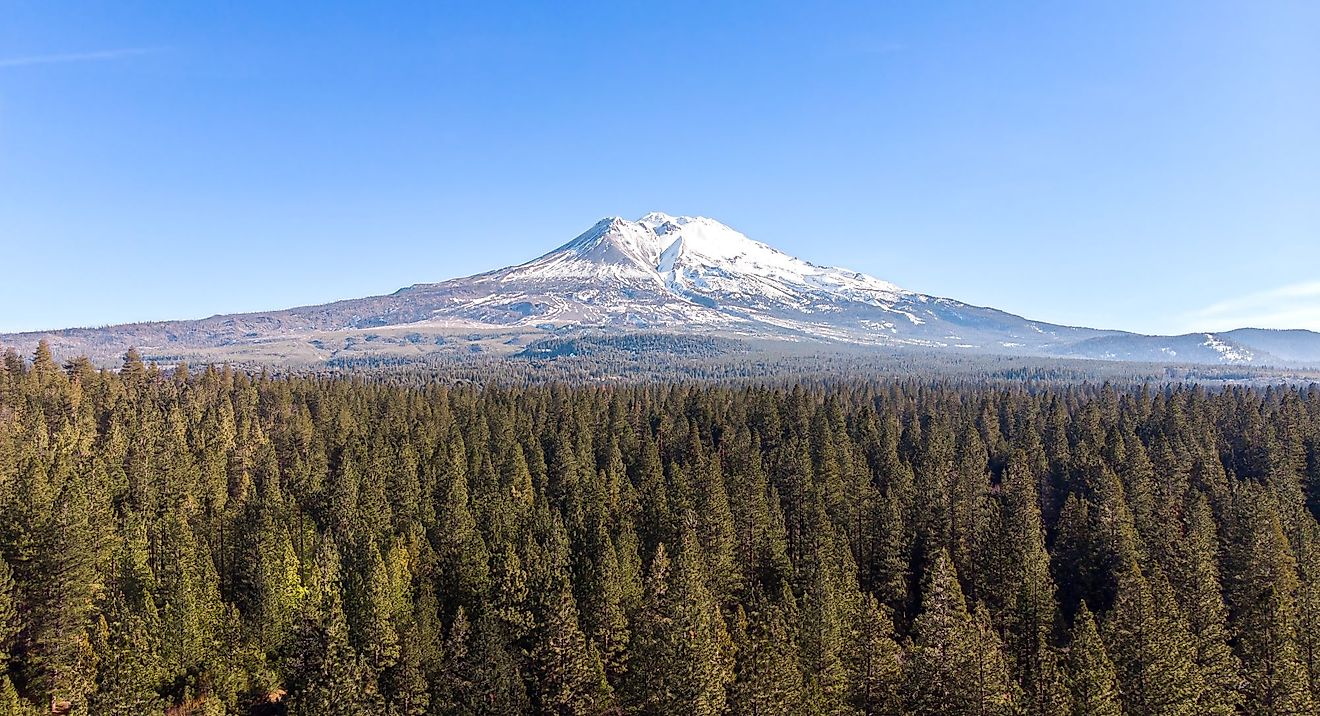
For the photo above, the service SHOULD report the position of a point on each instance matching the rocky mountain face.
(663, 274)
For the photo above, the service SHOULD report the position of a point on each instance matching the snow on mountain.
(669, 274)
(662, 270)
(695, 256)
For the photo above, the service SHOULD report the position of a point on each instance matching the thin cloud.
(1295, 305)
(98, 56)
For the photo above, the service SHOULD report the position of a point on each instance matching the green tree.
(957, 664)
(130, 671)
(767, 681)
(1153, 653)
(1262, 589)
(682, 654)
(1091, 678)
(1200, 597)
(874, 660)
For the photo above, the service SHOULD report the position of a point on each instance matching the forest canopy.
(217, 541)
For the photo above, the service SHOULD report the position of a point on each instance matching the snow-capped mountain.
(660, 273)
(694, 273)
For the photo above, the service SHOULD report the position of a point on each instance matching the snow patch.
(1227, 352)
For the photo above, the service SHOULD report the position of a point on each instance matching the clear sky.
(1153, 166)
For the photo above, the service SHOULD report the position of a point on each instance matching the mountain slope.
(660, 273)
(691, 272)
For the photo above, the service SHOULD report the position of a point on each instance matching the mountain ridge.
(657, 273)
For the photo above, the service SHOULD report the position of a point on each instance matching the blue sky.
(1137, 165)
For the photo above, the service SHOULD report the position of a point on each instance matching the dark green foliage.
(957, 664)
(211, 541)
(1263, 587)
(682, 652)
(874, 660)
(1153, 652)
(1092, 683)
(767, 678)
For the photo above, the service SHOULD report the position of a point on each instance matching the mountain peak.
(661, 272)
(699, 260)
(657, 217)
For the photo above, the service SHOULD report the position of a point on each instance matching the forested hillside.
(214, 542)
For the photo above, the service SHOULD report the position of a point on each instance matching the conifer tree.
(565, 670)
(716, 530)
(1262, 590)
(823, 615)
(129, 671)
(1027, 595)
(1308, 605)
(10, 702)
(874, 660)
(325, 675)
(1200, 597)
(682, 659)
(885, 568)
(569, 676)
(1153, 653)
(957, 664)
(190, 600)
(271, 588)
(372, 630)
(9, 623)
(601, 606)
(767, 679)
(1091, 678)
(496, 684)
(510, 596)
(404, 684)
(464, 557)
(57, 579)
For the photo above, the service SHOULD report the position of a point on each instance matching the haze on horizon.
(1116, 165)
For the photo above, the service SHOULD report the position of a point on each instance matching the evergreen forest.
(218, 541)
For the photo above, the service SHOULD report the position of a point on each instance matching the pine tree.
(566, 674)
(9, 622)
(510, 597)
(10, 702)
(371, 611)
(454, 681)
(1262, 590)
(1026, 591)
(716, 530)
(464, 557)
(1091, 678)
(601, 607)
(1153, 653)
(403, 684)
(271, 587)
(130, 670)
(874, 660)
(682, 658)
(957, 664)
(325, 675)
(190, 599)
(57, 580)
(569, 678)
(1308, 606)
(496, 685)
(826, 574)
(767, 679)
(1200, 597)
(884, 565)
